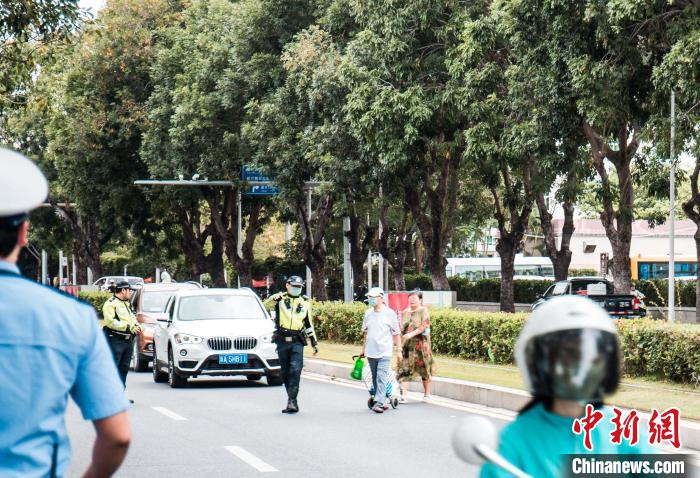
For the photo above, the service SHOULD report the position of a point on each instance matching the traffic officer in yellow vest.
(294, 328)
(120, 327)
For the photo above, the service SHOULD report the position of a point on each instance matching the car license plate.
(229, 359)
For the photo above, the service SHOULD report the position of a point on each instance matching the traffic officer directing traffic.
(120, 326)
(52, 347)
(294, 326)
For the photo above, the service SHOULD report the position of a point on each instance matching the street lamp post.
(671, 220)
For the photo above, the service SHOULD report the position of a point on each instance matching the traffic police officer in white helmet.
(53, 348)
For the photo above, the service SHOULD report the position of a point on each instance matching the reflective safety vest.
(291, 311)
(117, 315)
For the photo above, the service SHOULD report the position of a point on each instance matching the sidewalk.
(500, 386)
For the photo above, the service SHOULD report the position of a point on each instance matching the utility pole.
(671, 219)
(347, 265)
(60, 267)
(380, 260)
(308, 218)
(44, 267)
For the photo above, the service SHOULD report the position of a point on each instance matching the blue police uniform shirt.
(51, 347)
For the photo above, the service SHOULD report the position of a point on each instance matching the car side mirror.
(539, 296)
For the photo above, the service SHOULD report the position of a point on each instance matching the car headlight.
(187, 339)
(267, 338)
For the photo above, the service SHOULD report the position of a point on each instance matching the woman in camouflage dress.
(417, 358)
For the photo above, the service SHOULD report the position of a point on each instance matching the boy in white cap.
(381, 331)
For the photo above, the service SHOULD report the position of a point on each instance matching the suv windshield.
(155, 301)
(209, 307)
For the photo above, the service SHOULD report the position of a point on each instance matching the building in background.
(648, 249)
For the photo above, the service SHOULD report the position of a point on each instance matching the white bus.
(475, 268)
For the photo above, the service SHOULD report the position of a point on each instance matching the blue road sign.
(249, 174)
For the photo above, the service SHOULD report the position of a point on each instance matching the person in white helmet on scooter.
(569, 356)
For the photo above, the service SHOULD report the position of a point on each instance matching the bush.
(656, 292)
(583, 273)
(96, 299)
(649, 348)
(485, 290)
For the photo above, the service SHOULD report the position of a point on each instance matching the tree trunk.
(318, 277)
(506, 250)
(313, 242)
(81, 270)
(394, 244)
(617, 223)
(432, 206)
(225, 226)
(561, 258)
(438, 270)
(359, 248)
(87, 236)
(511, 229)
(215, 262)
(690, 207)
(399, 279)
(418, 254)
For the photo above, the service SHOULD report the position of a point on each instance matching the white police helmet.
(22, 185)
(568, 349)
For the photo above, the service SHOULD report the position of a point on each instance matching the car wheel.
(174, 380)
(274, 380)
(139, 362)
(253, 377)
(158, 376)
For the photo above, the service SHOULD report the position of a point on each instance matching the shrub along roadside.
(649, 348)
(484, 290)
(525, 291)
(96, 299)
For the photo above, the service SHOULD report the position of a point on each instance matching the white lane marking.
(251, 459)
(169, 413)
(499, 414)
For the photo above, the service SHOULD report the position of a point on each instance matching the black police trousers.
(291, 355)
(122, 349)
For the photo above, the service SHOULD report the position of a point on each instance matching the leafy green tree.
(299, 136)
(399, 107)
(224, 56)
(96, 117)
(27, 28)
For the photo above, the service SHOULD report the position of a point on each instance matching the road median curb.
(491, 396)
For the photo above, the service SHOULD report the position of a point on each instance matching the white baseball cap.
(23, 186)
(375, 292)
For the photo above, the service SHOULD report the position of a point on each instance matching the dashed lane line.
(169, 413)
(251, 459)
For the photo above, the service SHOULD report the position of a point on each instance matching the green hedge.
(650, 348)
(656, 292)
(485, 290)
(96, 299)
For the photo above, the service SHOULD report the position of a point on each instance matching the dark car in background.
(149, 303)
(599, 290)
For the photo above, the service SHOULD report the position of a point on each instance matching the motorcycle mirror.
(475, 441)
(469, 434)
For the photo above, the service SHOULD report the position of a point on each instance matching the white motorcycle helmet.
(569, 349)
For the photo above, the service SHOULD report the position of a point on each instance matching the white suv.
(215, 332)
